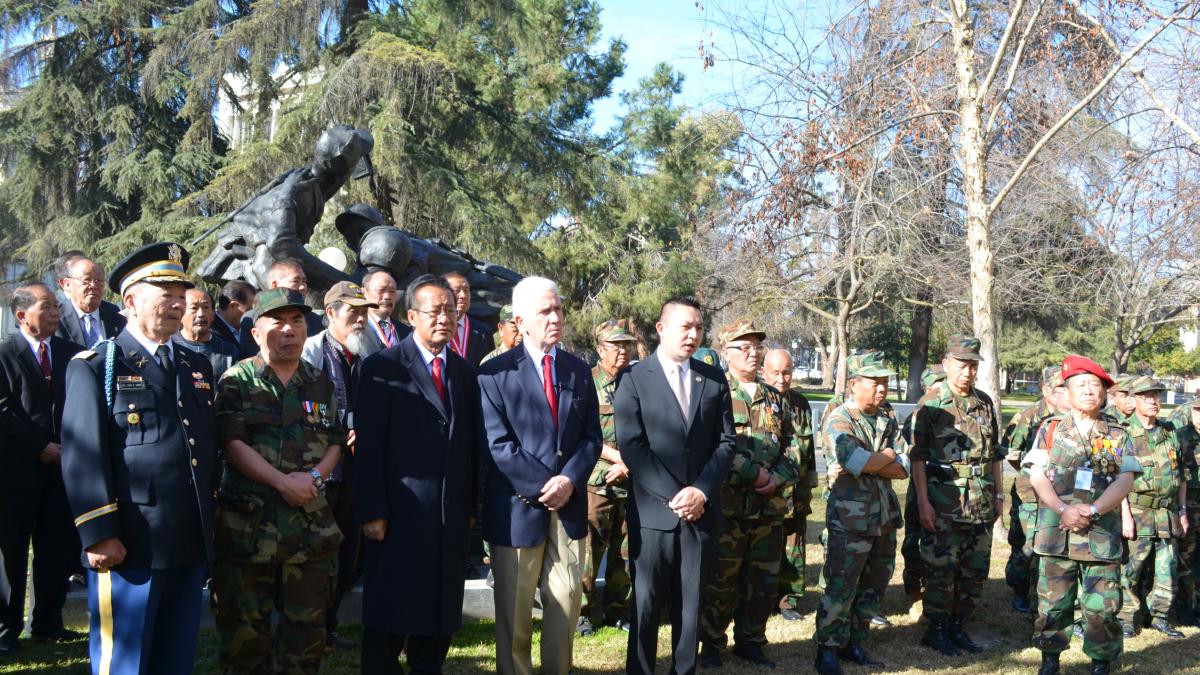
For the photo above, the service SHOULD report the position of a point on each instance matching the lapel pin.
(697, 378)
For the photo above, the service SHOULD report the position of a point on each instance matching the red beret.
(1078, 365)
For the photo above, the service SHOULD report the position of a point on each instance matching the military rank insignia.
(198, 380)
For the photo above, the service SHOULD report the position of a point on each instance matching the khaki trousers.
(555, 568)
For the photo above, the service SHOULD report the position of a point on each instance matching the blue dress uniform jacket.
(521, 451)
(144, 469)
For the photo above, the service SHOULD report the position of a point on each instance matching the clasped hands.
(688, 504)
(1076, 518)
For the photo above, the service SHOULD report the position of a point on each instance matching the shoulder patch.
(86, 355)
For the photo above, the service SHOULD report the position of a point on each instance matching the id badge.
(1083, 479)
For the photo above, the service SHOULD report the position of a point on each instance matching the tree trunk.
(973, 150)
(918, 350)
(841, 328)
(829, 354)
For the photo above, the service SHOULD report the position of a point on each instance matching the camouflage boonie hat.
(707, 355)
(932, 374)
(506, 314)
(1145, 385)
(274, 299)
(963, 347)
(738, 328)
(611, 331)
(868, 364)
(1122, 383)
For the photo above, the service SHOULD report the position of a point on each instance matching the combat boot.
(1021, 605)
(1100, 667)
(936, 638)
(1163, 626)
(960, 638)
(826, 662)
(853, 651)
(1049, 664)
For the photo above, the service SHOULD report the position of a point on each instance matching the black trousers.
(43, 517)
(341, 499)
(381, 652)
(667, 567)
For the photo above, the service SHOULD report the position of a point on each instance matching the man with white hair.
(541, 423)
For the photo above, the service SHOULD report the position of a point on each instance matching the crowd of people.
(274, 453)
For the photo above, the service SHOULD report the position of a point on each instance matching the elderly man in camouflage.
(1016, 442)
(1081, 466)
(275, 533)
(861, 515)
(957, 476)
(1120, 402)
(607, 493)
(1187, 423)
(744, 586)
(777, 372)
(1154, 515)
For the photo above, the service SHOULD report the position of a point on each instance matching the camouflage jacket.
(826, 445)
(1189, 445)
(606, 387)
(1064, 453)
(1155, 496)
(1018, 439)
(493, 354)
(765, 427)
(800, 492)
(292, 427)
(957, 438)
(860, 503)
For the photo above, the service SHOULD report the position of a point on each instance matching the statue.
(277, 222)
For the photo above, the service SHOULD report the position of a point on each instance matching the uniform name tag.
(130, 383)
(1083, 479)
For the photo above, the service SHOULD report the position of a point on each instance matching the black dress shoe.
(1100, 667)
(60, 635)
(1049, 664)
(880, 620)
(584, 627)
(790, 614)
(936, 638)
(1163, 626)
(1021, 605)
(621, 624)
(853, 651)
(710, 657)
(338, 642)
(753, 654)
(960, 638)
(826, 662)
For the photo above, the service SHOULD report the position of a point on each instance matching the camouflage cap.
(1056, 380)
(506, 314)
(611, 331)
(738, 328)
(868, 364)
(933, 374)
(349, 293)
(1122, 383)
(1048, 374)
(963, 347)
(275, 299)
(1145, 385)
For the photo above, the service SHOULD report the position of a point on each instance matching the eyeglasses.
(438, 312)
(746, 348)
(88, 281)
(617, 346)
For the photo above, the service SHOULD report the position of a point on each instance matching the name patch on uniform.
(130, 383)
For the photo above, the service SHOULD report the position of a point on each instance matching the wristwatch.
(1094, 511)
(318, 481)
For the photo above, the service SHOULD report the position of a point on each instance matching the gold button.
(195, 462)
(187, 423)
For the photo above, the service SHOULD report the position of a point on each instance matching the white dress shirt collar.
(149, 345)
(536, 355)
(671, 366)
(34, 343)
(428, 356)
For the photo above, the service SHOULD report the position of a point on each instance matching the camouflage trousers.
(857, 570)
(956, 557)
(1157, 556)
(1189, 562)
(607, 543)
(243, 596)
(1020, 572)
(1060, 580)
(791, 567)
(745, 581)
(914, 565)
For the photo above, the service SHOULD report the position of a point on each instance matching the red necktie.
(548, 386)
(437, 378)
(44, 361)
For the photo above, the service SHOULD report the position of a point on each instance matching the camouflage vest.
(1018, 439)
(1106, 452)
(956, 437)
(1189, 444)
(606, 387)
(866, 504)
(765, 439)
(1154, 500)
(803, 436)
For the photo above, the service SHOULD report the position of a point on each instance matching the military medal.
(309, 413)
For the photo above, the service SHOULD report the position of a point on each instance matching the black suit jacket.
(666, 454)
(69, 327)
(30, 414)
(480, 343)
(225, 331)
(416, 463)
(145, 469)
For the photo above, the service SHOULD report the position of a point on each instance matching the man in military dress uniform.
(1186, 419)
(607, 493)
(958, 479)
(861, 515)
(1081, 467)
(745, 582)
(139, 464)
(276, 536)
(777, 372)
(1153, 516)
(1016, 442)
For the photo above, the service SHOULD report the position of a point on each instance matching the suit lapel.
(566, 393)
(657, 378)
(420, 374)
(527, 373)
(696, 383)
(146, 365)
(70, 324)
(19, 348)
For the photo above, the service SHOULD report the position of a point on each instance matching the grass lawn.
(1004, 633)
